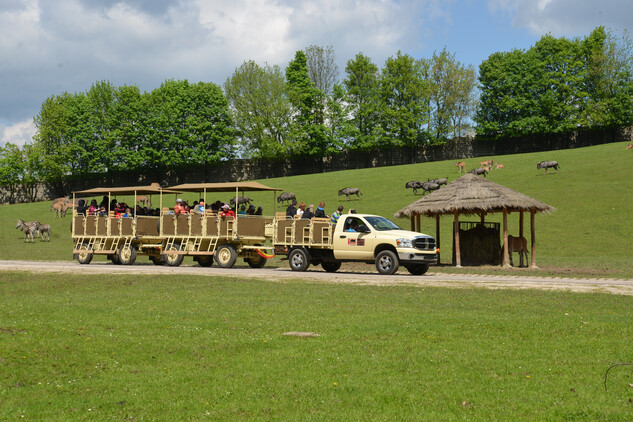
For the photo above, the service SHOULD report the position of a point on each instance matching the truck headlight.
(404, 243)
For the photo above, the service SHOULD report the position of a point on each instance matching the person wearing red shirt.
(227, 211)
(179, 208)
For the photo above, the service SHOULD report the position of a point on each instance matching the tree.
(362, 84)
(260, 109)
(405, 95)
(322, 67)
(10, 170)
(308, 132)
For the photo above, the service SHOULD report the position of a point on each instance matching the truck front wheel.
(417, 269)
(298, 260)
(387, 262)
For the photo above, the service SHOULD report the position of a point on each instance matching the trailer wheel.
(205, 260)
(387, 262)
(157, 260)
(86, 255)
(299, 260)
(256, 262)
(114, 258)
(226, 255)
(127, 254)
(174, 260)
(331, 267)
(417, 269)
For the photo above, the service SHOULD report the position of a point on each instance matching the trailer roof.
(222, 187)
(127, 190)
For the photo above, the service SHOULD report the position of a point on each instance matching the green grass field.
(163, 348)
(589, 234)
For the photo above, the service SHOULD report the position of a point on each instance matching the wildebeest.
(460, 166)
(415, 185)
(429, 186)
(286, 196)
(442, 181)
(240, 200)
(516, 244)
(478, 172)
(350, 191)
(547, 165)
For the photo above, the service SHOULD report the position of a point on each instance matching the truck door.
(353, 239)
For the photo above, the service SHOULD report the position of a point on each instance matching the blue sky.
(53, 46)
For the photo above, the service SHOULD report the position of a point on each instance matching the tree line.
(306, 109)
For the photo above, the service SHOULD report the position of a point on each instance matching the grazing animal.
(443, 181)
(28, 229)
(479, 172)
(460, 166)
(429, 186)
(487, 163)
(547, 165)
(286, 196)
(629, 147)
(516, 244)
(415, 185)
(350, 191)
(60, 209)
(500, 166)
(144, 201)
(240, 200)
(44, 231)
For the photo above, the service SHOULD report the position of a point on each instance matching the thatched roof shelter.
(470, 195)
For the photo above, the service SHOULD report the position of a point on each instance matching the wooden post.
(533, 239)
(412, 223)
(506, 256)
(437, 236)
(417, 223)
(521, 235)
(483, 217)
(458, 258)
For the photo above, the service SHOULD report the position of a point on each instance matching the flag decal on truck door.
(356, 242)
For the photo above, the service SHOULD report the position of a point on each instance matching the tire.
(256, 262)
(85, 257)
(417, 269)
(174, 260)
(331, 267)
(205, 260)
(299, 260)
(114, 258)
(127, 255)
(387, 262)
(157, 260)
(226, 255)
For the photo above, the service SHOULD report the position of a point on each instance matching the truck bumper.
(417, 257)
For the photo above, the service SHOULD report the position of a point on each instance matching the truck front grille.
(424, 243)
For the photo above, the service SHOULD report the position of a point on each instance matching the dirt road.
(370, 277)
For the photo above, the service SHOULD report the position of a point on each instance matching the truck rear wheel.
(298, 260)
(127, 255)
(331, 267)
(417, 269)
(205, 260)
(387, 262)
(256, 262)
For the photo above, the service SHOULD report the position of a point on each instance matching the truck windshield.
(382, 224)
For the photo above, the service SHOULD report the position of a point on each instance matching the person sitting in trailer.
(308, 213)
(92, 210)
(128, 213)
(198, 207)
(102, 211)
(259, 211)
(179, 208)
(227, 211)
(250, 210)
(119, 209)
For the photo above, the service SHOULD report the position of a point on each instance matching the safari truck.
(166, 239)
(355, 237)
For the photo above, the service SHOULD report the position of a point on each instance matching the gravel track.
(604, 285)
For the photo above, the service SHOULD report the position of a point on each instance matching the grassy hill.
(590, 233)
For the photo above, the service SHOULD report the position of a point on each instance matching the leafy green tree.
(363, 94)
(308, 133)
(31, 171)
(10, 170)
(260, 109)
(405, 94)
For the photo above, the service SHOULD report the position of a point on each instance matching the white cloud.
(566, 17)
(19, 133)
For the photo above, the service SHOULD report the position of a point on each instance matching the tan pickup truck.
(356, 237)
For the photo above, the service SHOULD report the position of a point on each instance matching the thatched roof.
(472, 194)
(222, 187)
